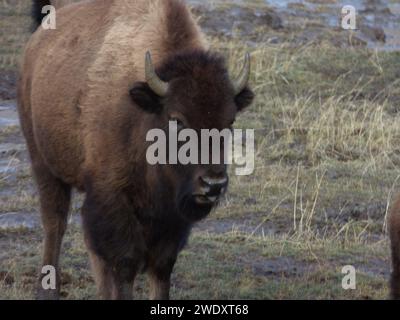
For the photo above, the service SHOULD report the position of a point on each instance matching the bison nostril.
(215, 182)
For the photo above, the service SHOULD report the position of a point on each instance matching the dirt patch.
(374, 211)
(375, 267)
(250, 224)
(280, 267)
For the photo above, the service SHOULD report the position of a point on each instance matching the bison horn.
(155, 83)
(241, 81)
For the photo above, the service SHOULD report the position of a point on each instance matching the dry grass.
(14, 27)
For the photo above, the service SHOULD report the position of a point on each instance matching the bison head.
(193, 90)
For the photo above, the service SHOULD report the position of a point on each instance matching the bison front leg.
(159, 286)
(123, 274)
(103, 277)
(159, 273)
(114, 282)
(113, 238)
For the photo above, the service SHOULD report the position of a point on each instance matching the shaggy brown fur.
(394, 231)
(85, 111)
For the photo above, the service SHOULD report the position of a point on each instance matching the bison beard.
(189, 209)
(126, 231)
(132, 239)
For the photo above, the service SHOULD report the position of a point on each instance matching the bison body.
(86, 101)
(394, 233)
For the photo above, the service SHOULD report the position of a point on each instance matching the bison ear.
(145, 98)
(244, 99)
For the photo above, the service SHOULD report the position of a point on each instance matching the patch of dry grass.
(14, 31)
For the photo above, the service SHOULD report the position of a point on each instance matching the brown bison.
(394, 232)
(87, 98)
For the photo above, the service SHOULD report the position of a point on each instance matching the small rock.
(380, 34)
(374, 33)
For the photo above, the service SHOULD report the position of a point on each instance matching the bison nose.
(215, 185)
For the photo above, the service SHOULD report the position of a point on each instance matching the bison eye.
(179, 123)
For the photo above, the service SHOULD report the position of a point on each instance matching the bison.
(89, 92)
(394, 233)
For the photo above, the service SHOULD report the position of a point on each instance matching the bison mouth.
(209, 195)
(196, 207)
(202, 199)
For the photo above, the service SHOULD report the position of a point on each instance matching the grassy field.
(328, 153)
